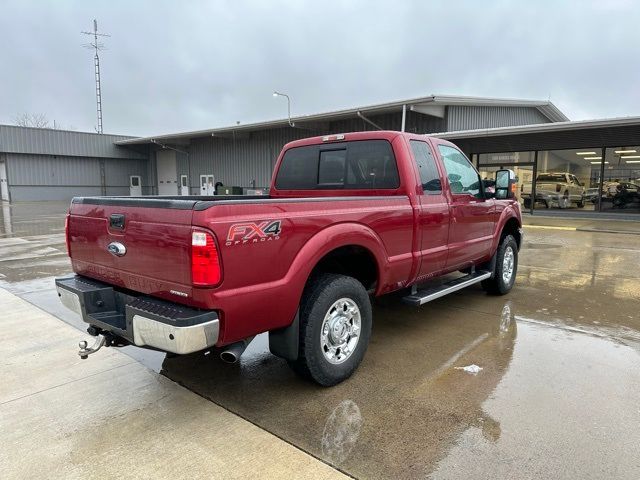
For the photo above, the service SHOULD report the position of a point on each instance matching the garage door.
(167, 173)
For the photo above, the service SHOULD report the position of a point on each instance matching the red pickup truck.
(348, 217)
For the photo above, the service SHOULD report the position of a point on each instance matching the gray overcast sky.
(174, 66)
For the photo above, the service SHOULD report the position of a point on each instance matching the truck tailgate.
(156, 242)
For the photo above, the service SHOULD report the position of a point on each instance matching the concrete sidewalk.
(108, 416)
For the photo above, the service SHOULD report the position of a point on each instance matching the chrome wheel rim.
(340, 330)
(508, 264)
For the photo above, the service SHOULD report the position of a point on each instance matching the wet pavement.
(65, 418)
(33, 253)
(32, 241)
(556, 396)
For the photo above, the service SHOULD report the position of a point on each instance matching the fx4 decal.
(250, 232)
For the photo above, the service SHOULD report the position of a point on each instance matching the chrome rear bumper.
(141, 320)
(172, 338)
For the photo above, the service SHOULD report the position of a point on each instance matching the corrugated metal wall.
(44, 164)
(469, 118)
(54, 164)
(54, 177)
(35, 194)
(59, 142)
(117, 172)
(42, 170)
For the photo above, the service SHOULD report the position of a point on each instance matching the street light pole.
(278, 94)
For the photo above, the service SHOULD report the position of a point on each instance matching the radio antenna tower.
(97, 46)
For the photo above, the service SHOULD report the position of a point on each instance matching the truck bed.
(157, 235)
(191, 202)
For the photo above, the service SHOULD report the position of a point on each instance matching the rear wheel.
(504, 275)
(335, 326)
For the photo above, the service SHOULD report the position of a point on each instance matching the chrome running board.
(429, 294)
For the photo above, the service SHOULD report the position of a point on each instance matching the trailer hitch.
(85, 352)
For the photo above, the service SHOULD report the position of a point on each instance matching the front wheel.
(335, 326)
(504, 275)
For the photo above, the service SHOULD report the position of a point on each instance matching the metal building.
(45, 164)
(190, 163)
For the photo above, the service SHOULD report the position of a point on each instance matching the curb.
(582, 229)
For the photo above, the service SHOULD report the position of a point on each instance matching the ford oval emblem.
(117, 249)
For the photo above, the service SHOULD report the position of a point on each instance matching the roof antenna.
(97, 46)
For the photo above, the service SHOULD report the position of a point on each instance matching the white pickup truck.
(557, 188)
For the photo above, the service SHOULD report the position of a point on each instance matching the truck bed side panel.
(255, 285)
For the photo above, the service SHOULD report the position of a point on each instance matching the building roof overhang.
(431, 105)
(540, 128)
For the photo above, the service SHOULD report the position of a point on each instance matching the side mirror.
(505, 184)
(489, 188)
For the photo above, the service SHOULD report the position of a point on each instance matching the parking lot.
(557, 393)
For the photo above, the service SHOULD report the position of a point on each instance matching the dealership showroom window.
(572, 179)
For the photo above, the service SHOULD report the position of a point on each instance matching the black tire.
(581, 204)
(497, 284)
(319, 296)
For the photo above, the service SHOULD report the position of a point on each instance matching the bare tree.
(37, 120)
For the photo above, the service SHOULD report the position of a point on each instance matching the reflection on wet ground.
(556, 396)
(565, 339)
(32, 241)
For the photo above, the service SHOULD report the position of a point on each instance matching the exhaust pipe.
(232, 353)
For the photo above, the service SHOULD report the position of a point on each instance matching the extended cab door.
(472, 216)
(434, 211)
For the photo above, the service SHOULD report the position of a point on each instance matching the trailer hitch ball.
(85, 351)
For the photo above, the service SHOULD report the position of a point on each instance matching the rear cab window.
(365, 164)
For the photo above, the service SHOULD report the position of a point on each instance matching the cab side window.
(463, 178)
(429, 176)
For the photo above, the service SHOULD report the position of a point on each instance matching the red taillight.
(66, 234)
(205, 263)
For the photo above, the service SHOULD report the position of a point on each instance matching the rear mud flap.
(283, 342)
